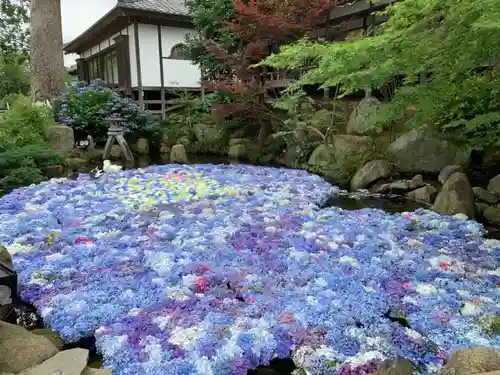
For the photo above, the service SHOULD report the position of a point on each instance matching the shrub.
(41, 155)
(14, 75)
(347, 163)
(21, 166)
(23, 176)
(86, 107)
(23, 124)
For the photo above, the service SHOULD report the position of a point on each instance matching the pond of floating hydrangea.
(214, 270)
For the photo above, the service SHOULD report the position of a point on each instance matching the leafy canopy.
(14, 32)
(456, 43)
(232, 37)
(209, 18)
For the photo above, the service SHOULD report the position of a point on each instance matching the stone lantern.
(115, 132)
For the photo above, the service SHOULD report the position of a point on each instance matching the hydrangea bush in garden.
(86, 107)
(214, 270)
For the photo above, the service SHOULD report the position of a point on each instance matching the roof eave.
(79, 44)
(75, 46)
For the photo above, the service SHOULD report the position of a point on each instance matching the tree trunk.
(47, 60)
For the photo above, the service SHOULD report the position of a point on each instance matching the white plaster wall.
(133, 59)
(177, 73)
(149, 55)
(181, 73)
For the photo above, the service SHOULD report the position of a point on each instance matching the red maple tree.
(261, 26)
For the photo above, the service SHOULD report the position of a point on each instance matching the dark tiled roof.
(175, 7)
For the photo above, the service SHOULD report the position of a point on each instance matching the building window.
(102, 66)
(178, 52)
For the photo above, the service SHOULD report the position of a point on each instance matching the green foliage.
(347, 163)
(491, 325)
(23, 176)
(14, 32)
(23, 124)
(14, 75)
(40, 154)
(456, 43)
(208, 17)
(182, 122)
(305, 152)
(21, 166)
(302, 118)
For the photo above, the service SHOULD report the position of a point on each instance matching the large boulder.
(178, 154)
(5, 257)
(21, 349)
(494, 185)
(456, 196)
(358, 120)
(492, 214)
(472, 361)
(115, 152)
(422, 151)
(345, 143)
(205, 133)
(96, 371)
(484, 196)
(237, 151)
(447, 171)
(142, 146)
(52, 336)
(371, 172)
(424, 194)
(61, 138)
(238, 141)
(398, 366)
(290, 156)
(68, 362)
(322, 156)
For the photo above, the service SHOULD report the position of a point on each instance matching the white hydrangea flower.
(161, 263)
(362, 358)
(154, 349)
(189, 280)
(469, 309)
(162, 321)
(203, 365)
(426, 289)
(413, 334)
(177, 293)
(185, 337)
(349, 260)
(300, 355)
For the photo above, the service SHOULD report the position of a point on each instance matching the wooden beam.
(357, 8)
(162, 77)
(138, 61)
(123, 61)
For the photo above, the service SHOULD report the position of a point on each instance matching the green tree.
(14, 76)
(453, 44)
(14, 32)
(209, 18)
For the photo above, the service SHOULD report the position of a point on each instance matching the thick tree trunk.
(47, 60)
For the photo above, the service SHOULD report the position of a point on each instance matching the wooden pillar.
(138, 61)
(80, 69)
(123, 62)
(162, 76)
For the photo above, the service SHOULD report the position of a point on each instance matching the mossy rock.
(50, 335)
